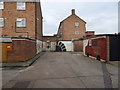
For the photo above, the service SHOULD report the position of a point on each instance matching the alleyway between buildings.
(64, 70)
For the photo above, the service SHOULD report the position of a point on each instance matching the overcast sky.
(102, 17)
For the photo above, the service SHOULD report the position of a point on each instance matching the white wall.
(44, 46)
(85, 43)
(69, 45)
(39, 46)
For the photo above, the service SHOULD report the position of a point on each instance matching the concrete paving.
(65, 70)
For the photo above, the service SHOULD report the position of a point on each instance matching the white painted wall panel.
(69, 45)
(44, 46)
(39, 46)
(85, 43)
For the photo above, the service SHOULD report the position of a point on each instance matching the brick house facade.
(23, 22)
(72, 29)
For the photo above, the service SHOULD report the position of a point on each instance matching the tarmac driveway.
(66, 70)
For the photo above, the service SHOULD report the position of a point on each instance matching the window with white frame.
(76, 32)
(1, 5)
(21, 22)
(76, 24)
(21, 5)
(1, 22)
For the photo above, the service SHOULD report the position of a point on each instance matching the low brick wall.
(78, 46)
(23, 49)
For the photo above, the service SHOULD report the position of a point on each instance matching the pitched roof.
(70, 16)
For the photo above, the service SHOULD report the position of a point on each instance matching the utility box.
(6, 45)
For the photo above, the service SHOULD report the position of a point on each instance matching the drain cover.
(22, 84)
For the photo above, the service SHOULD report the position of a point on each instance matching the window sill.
(20, 27)
(21, 10)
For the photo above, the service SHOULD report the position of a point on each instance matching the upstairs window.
(76, 32)
(1, 22)
(1, 5)
(21, 22)
(21, 5)
(76, 24)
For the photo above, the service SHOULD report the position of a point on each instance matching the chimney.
(73, 11)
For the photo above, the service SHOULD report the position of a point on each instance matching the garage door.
(65, 45)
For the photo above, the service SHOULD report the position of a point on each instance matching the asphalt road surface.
(63, 70)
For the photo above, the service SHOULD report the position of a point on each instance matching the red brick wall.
(51, 38)
(68, 28)
(78, 46)
(11, 14)
(22, 50)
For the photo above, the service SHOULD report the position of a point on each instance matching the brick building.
(73, 27)
(22, 23)
(70, 31)
(23, 19)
